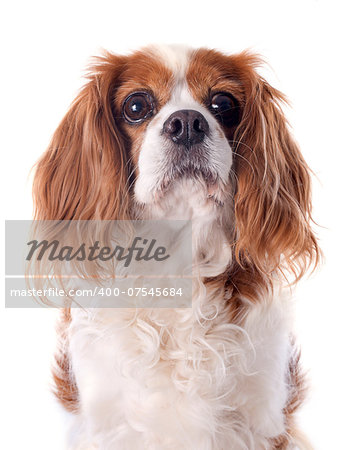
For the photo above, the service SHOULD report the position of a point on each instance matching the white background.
(45, 47)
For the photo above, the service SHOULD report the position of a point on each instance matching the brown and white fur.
(223, 374)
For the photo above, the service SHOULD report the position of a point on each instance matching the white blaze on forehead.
(175, 57)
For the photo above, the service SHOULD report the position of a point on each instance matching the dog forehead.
(197, 71)
(175, 57)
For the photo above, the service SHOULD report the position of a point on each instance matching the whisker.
(245, 159)
(242, 143)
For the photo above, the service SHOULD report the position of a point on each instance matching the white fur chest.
(179, 379)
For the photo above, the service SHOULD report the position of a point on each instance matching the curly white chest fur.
(180, 379)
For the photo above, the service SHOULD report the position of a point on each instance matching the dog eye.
(137, 107)
(225, 108)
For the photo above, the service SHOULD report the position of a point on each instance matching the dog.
(170, 132)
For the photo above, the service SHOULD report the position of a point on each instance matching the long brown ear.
(273, 199)
(83, 173)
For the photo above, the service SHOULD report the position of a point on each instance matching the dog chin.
(185, 196)
(189, 174)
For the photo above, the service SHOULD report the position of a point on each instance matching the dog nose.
(186, 127)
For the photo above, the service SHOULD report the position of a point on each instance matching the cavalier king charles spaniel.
(170, 132)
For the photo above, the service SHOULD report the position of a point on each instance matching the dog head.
(182, 133)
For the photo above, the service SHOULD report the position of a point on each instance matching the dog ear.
(83, 173)
(273, 198)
